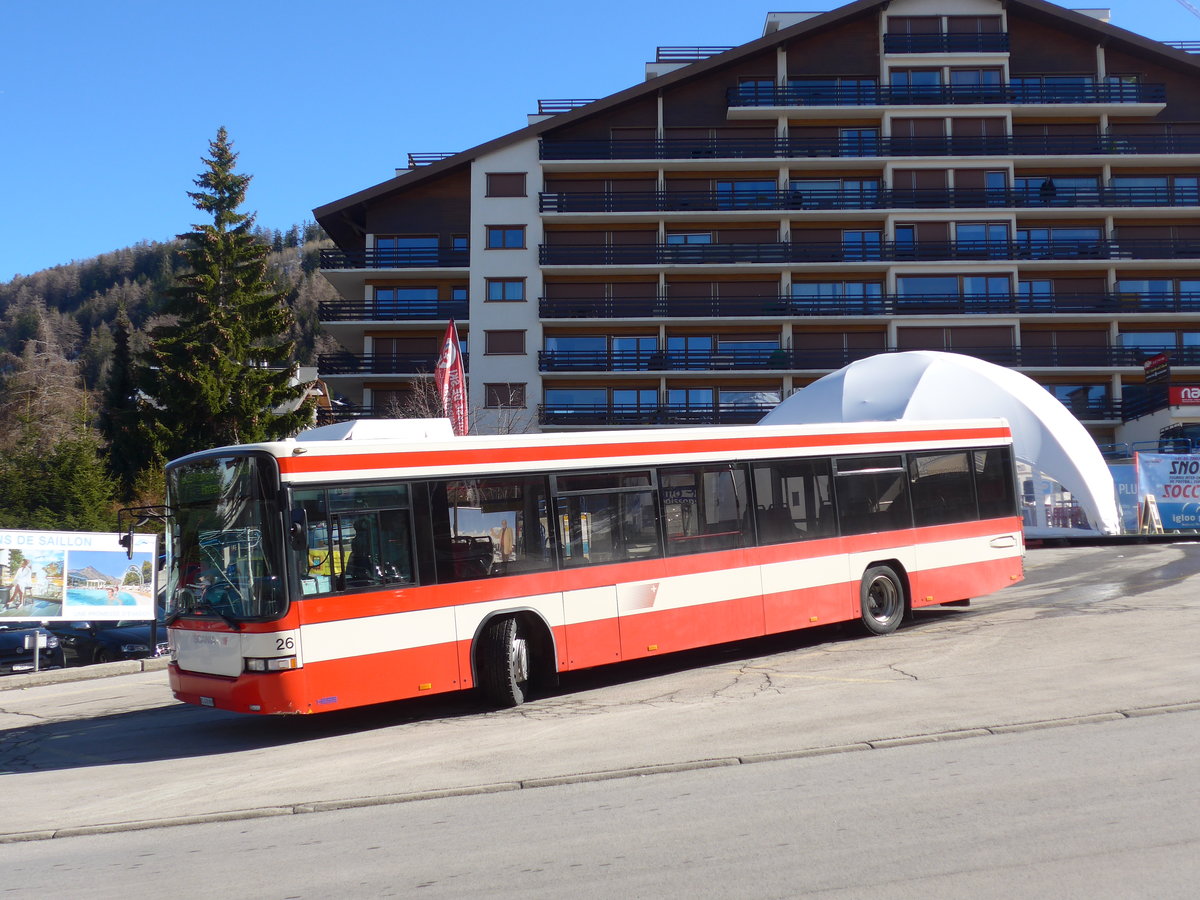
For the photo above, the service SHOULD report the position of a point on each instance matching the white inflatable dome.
(924, 384)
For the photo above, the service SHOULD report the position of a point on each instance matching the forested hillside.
(65, 330)
(77, 302)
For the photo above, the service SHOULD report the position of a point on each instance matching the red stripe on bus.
(491, 456)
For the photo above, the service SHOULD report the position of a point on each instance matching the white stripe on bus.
(421, 628)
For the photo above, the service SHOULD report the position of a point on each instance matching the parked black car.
(15, 659)
(99, 642)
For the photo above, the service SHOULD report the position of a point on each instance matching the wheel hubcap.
(882, 599)
(520, 660)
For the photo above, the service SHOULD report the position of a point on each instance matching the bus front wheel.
(504, 661)
(881, 597)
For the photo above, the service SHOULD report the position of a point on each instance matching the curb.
(83, 673)
(263, 812)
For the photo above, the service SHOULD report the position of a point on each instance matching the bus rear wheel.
(504, 662)
(881, 597)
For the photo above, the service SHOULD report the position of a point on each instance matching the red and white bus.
(314, 575)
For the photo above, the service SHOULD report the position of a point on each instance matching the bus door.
(607, 524)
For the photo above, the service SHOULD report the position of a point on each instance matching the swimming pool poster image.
(108, 583)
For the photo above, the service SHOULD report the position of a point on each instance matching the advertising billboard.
(74, 575)
(1173, 480)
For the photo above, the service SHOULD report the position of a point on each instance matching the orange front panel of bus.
(330, 684)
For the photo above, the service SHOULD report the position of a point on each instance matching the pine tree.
(122, 411)
(222, 369)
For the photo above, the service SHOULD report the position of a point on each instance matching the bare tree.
(422, 401)
(43, 400)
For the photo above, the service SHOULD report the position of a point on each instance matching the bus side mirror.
(298, 530)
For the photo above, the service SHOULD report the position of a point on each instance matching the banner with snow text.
(451, 381)
(1173, 479)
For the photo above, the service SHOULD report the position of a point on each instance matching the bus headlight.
(274, 664)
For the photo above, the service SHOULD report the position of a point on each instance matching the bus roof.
(354, 456)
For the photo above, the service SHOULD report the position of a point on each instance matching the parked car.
(99, 642)
(15, 658)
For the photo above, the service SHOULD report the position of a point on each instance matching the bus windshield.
(224, 544)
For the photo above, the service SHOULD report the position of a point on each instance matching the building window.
(506, 237)
(503, 343)
(505, 289)
(505, 395)
(391, 302)
(506, 184)
(459, 242)
(406, 249)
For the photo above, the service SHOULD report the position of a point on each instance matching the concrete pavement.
(1093, 633)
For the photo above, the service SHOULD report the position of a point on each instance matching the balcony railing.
(798, 252)
(775, 95)
(835, 357)
(687, 54)
(404, 258)
(382, 311)
(554, 107)
(662, 360)
(1167, 142)
(378, 363)
(946, 42)
(799, 198)
(427, 159)
(782, 306)
(661, 414)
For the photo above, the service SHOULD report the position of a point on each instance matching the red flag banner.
(451, 381)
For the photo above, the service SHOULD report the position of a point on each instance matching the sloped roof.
(336, 217)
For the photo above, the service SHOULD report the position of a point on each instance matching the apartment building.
(1011, 180)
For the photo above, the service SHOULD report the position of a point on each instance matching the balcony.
(690, 360)
(799, 95)
(783, 306)
(404, 258)
(376, 311)
(662, 414)
(829, 358)
(946, 42)
(796, 252)
(378, 363)
(1106, 144)
(797, 198)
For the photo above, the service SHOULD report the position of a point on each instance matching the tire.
(881, 600)
(504, 662)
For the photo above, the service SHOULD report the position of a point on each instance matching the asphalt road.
(1075, 812)
(1093, 636)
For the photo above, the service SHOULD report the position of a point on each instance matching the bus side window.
(942, 488)
(606, 517)
(316, 557)
(488, 527)
(872, 494)
(794, 500)
(703, 508)
(994, 483)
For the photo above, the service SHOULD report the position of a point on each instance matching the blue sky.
(107, 108)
